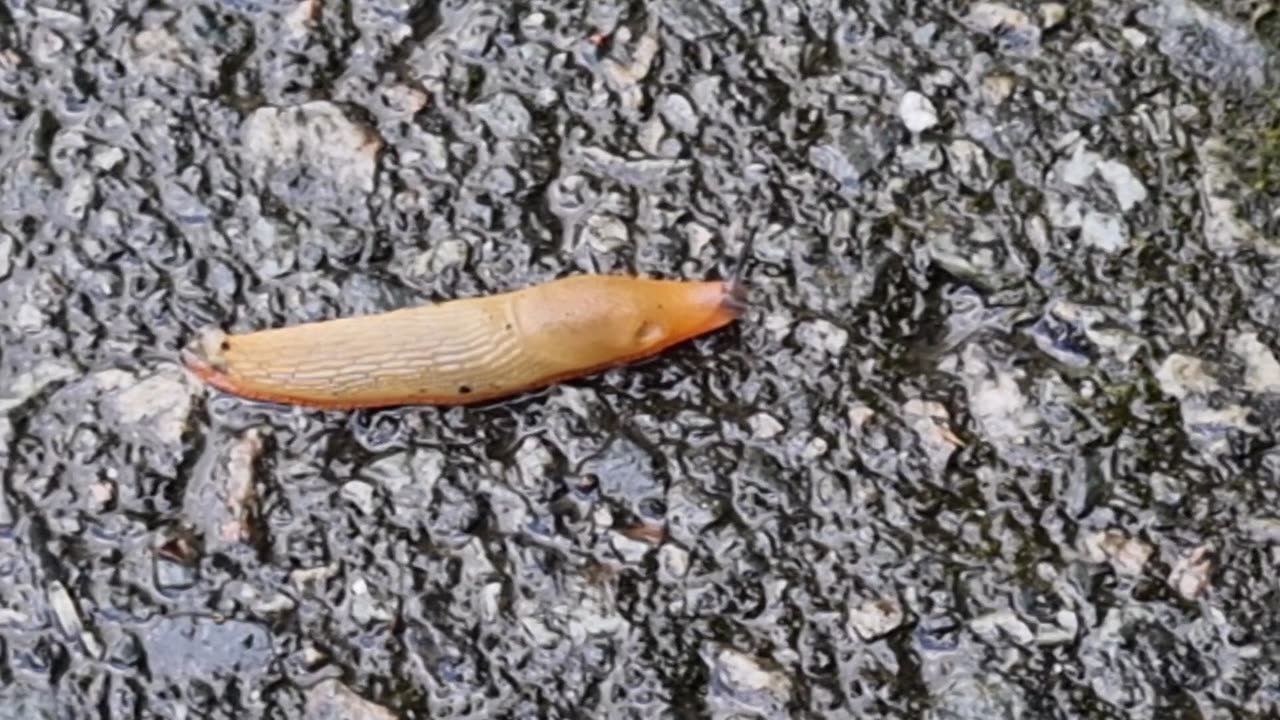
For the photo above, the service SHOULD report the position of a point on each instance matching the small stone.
(1052, 14)
(64, 609)
(1104, 231)
(364, 608)
(160, 403)
(6, 255)
(602, 516)
(533, 22)
(624, 77)
(744, 682)
(1134, 37)
(1129, 191)
(491, 602)
(631, 551)
(102, 492)
(917, 112)
(921, 159)
(997, 88)
(1068, 626)
(932, 424)
(533, 460)
(302, 18)
(404, 99)
(1128, 556)
(331, 700)
(105, 159)
(860, 415)
(1190, 574)
(764, 426)
(359, 494)
(814, 449)
(968, 160)
(276, 603)
(875, 618)
(1077, 169)
(605, 233)
(29, 319)
(436, 152)
(539, 634)
(996, 400)
(1182, 376)
(313, 575)
(697, 235)
(823, 335)
(673, 560)
(317, 134)
(679, 114)
(1262, 370)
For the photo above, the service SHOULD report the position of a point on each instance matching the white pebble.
(1052, 14)
(764, 426)
(826, 336)
(917, 112)
(1182, 375)
(1262, 371)
(814, 449)
(997, 88)
(874, 618)
(632, 551)
(1135, 37)
(30, 318)
(1126, 186)
(359, 494)
(1127, 555)
(673, 560)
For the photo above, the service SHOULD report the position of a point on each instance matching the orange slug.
(467, 350)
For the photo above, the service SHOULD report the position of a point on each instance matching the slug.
(468, 350)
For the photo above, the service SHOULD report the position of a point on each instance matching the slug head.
(596, 320)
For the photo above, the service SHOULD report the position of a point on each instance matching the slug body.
(468, 350)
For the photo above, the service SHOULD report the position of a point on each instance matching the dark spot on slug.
(225, 346)
(465, 389)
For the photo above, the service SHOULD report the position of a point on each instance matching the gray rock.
(221, 498)
(875, 618)
(744, 683)
(315, 135)
(331, 700)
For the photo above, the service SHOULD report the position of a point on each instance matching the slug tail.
(203, 357)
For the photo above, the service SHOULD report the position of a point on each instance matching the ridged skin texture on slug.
(468, 350)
